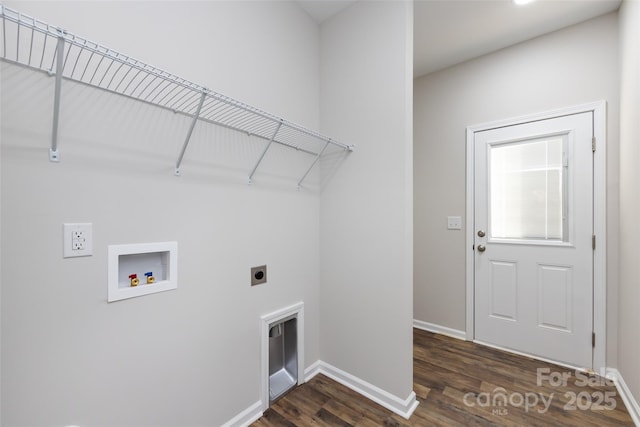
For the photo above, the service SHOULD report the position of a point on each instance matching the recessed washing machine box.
(141, 269)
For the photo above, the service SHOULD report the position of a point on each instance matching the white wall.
(186, 357)
(366, 209)
(629, 315)
(573, 66)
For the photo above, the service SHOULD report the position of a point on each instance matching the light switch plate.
(77, 239)
(454, 223)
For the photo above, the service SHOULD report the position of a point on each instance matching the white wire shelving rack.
(34, 44)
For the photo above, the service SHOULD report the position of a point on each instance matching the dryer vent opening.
(283, 357)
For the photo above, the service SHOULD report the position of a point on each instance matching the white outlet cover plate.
(83, 233)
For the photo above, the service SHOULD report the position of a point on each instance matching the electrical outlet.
(77, 240)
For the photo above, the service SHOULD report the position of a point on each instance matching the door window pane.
(527, 190)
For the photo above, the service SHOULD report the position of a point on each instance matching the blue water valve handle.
(150, 278)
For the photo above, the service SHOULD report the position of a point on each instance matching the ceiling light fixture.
(522, 2)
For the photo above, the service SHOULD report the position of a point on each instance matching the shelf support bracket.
(265, 151)
(314, 162)
(189, 132)
(53, 151)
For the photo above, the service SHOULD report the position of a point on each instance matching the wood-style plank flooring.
(459, 383)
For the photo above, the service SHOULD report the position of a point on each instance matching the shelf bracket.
(193, 125)
(264, 152)
(314, 162)
(53, 151)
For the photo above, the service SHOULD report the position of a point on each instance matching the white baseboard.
(628, 399)
(312, 370)
(437, 329)
(246, 417)
(404, 408)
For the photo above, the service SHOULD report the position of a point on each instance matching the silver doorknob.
(481, 248)
(481, 233)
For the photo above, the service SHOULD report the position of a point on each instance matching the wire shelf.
(35, 44)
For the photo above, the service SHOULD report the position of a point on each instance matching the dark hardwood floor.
(459, 383)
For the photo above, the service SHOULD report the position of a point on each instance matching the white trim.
(469, 233)
(246, 417)
(437, 329)
(312, 370)
(629, 401)
(404, 408)
(600, 230)
(549, 114)
(599, 110)
(297, 311)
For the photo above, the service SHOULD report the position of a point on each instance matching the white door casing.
(541, 290)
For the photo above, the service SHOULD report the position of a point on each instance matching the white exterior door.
(533, 284)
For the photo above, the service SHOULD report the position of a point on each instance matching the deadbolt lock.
(481, 233)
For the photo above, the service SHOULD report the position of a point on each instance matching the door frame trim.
(599, 111)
